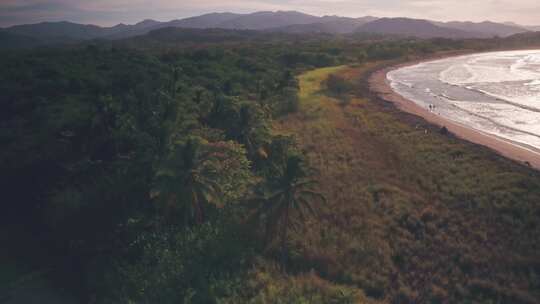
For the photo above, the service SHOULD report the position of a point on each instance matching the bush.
(338, 86)
(266, 284)
(180, 266)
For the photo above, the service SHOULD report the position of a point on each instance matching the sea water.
(496, 93)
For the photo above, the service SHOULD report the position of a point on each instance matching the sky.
(111, 12)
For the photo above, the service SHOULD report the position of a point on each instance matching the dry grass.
(271, 285)
(412, 216)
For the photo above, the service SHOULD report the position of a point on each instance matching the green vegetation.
(290, 194)
(201, 169)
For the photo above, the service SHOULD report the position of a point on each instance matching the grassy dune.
(414, 215)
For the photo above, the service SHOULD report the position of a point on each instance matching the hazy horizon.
(109, 13)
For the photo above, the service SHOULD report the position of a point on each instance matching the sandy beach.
(379, 84)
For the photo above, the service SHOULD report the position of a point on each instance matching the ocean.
(496, 93)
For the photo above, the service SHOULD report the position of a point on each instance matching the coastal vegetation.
(177, 168)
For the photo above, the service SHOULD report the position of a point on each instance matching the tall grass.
(414, 215)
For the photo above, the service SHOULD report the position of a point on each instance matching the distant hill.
(13, 41)
(486, 29)
(412, 27)
(197, 35)
(74, 31)
(62, 29)
(528, 38)
(213, 20)
(10, 41)
(124, 31)
(290, 22)
(328, 24)
(186, 37)
(534, 28)
(268, 20)
(254, 21)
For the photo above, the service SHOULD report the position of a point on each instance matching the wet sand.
(379, 84)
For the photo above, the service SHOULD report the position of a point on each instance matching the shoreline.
(379, 84)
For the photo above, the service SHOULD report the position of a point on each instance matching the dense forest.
(151, 170)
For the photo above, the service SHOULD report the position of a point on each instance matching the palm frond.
(307, 205)
(305, 183)
(313, 194)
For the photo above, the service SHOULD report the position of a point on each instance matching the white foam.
(491, 68)
(504, 114)
(520, 71)
(512, 79)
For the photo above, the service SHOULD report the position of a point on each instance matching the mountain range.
(486, 28)
(280, 21)
(414, 28)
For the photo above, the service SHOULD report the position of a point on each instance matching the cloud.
(108, 12)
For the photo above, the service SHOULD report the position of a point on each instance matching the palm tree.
(292, 195)
(253, 130)
(186, 183)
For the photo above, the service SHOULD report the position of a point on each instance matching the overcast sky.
(109, 12)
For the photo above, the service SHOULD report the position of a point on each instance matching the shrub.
(337, 85)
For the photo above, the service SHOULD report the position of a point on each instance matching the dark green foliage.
(337, 85)
(195, 265)
(286, 199)
(198, 175)
(95, 138)
(71, 125)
